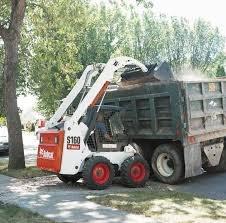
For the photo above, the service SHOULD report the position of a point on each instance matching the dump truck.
(178, 126)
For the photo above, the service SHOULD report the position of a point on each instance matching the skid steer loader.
(80, 145)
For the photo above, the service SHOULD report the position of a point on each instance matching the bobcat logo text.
(73, 142)
(45, 154)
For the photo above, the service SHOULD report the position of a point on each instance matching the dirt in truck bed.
(155, 73)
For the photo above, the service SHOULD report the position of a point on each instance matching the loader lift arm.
(84, 82)
(96, 92)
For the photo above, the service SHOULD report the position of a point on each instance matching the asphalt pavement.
(30, 148)
(208, 185)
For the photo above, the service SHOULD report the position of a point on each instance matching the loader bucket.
(155, 73)
(163, 72)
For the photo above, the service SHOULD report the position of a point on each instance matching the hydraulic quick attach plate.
(213, 153)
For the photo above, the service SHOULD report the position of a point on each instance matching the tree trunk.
(16, 151)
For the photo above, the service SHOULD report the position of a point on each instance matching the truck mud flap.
(192, 160)
(213, 153)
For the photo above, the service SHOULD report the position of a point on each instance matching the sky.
(213, 11)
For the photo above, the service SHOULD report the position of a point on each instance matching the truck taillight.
(191, 140)
(41, 139)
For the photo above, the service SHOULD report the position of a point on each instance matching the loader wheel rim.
(101, 173)
(137, 172)
(165, 165)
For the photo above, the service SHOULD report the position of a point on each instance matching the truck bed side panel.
(206, 106)
(151, 111)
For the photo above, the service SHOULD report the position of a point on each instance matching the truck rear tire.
(135, 171)
(168, 163)
(69, 178)
(98, 173)
(221, 167)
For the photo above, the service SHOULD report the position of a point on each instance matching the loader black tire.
(221, 167)
(98, 173)
(135, 171)
(168, 163)
(69, 178)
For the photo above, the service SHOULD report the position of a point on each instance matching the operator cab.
(106, 131)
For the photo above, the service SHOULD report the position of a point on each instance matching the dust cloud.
(191, 75)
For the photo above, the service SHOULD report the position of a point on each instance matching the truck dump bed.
(173, 110)
(206, 106)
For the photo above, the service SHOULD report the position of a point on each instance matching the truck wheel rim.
(165, 165)
(100, 173)
(137, 172)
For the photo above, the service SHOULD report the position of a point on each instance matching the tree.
(1, 81)
(220, 71)
(54, 60)
(207, 45)
(65, 36)
(10, 27)
(62, 45)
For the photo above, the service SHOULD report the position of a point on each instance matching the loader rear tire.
(138, 149)
(98, 173)
(135, 171)
(168, 164)
(69, 178)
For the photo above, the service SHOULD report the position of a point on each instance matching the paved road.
(30, 148)
(209, 185)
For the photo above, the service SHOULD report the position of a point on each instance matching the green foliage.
(206, 46)
(2, 121)
(54, 53)
(12, 213)
(1, 81)
(220, 71)
(5, 12)
(30, 126)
